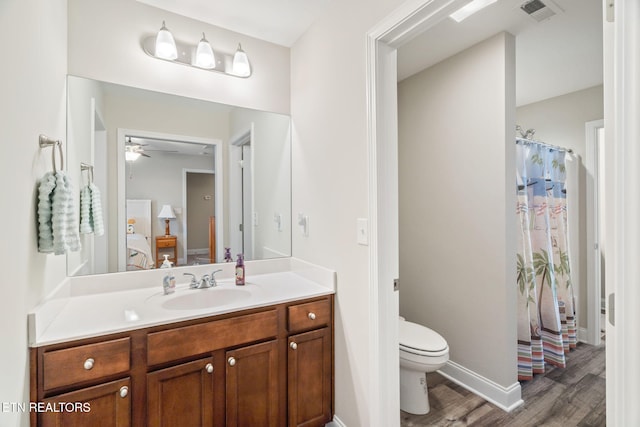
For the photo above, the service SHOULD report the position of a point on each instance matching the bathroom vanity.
(258, 355)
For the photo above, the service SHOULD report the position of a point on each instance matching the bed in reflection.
(139, 253)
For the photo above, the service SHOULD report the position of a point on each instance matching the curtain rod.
(533, 141)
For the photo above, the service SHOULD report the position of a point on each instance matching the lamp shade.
(204, 55)
(166, 212)
(241, 65)
(165, 45)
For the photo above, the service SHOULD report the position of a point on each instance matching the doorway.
(405, 23)
(200, 204)
(242, 217)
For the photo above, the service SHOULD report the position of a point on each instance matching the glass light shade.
(204, 55)
(241, 65)
(165, 45)
(131, 156)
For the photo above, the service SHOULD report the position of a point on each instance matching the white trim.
(403, 24)
(623, 233)
(243, 137)
(592, 331)
(336, 422)
(505, 398)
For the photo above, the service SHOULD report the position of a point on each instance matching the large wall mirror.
(175, 176)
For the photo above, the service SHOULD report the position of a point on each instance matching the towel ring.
(45, 141)
(87, 167)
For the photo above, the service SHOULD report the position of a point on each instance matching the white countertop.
(98, 305)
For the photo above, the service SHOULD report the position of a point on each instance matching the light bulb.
(241, 65)
(204, 55)
(131, 156)
(165, 45)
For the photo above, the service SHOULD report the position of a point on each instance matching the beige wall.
(456, 162)
(200, 186)
(561, 121)
(33, 102)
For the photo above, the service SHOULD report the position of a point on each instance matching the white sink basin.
(206, 298)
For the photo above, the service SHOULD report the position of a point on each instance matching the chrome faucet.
(207, 281)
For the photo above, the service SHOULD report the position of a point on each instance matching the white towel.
(57, 226)
(91, 211)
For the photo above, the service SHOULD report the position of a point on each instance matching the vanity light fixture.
(469, 9)
(163, 46)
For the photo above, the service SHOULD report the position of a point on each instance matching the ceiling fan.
(132, 151)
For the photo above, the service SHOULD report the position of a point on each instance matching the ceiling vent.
(541, 10)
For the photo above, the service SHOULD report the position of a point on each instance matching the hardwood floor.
(570, 397)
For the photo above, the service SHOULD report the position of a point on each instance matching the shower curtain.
(546, 312)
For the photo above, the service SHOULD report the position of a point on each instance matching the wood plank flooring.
(570, 397)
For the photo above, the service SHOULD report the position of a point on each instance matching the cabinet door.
(310, 378)
(104, 405)
(252, 386)
(181, 395)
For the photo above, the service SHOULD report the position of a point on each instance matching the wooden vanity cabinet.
(270, 367)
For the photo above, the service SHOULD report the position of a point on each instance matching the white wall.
(33, 102)
(272, 178)
(105, 44)
(561, 121)
(330, 163)
(457, 240)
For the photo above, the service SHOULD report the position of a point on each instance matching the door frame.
(594, 280)
(383, 40)
(185, 229)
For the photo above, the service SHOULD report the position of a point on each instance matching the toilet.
(422, 350)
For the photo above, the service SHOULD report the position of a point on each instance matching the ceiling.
(553, 57)
(277, 21)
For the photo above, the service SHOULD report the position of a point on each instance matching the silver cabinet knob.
(293, 345)
(232, 361)
(311, 316)
(209, 367)
(124, 391)
(88, 364)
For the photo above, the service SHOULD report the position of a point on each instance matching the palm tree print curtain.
(546, 312)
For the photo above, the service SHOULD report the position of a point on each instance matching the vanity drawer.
(177, 343)
(85, 362)
(309, 315)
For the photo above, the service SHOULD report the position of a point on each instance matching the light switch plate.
(363, 231)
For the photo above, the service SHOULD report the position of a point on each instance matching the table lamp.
(166, 213)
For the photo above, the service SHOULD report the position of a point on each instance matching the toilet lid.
(421, 338)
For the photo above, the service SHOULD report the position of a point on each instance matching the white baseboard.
(582, 335)
(506, 398)
(336, 423)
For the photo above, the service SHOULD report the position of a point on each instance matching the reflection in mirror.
(178, 177)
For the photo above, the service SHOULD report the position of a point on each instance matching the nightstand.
(166, 245)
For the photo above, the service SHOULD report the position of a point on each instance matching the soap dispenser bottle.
(240, 271)
(227, 255)
(169, 280)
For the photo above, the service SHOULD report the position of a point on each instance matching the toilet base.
(414, 397)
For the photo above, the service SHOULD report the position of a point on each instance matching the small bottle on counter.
(169, 280)
(240, 271)
(227, 255)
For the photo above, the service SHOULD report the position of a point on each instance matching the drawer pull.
(124, 391)
(232, 361)
(209, 368)
(88, 364)
(311, 316)
(293, 345)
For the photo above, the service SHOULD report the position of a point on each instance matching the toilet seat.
(420, 340)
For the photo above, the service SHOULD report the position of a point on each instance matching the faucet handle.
(213, 277)
(194, 282)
